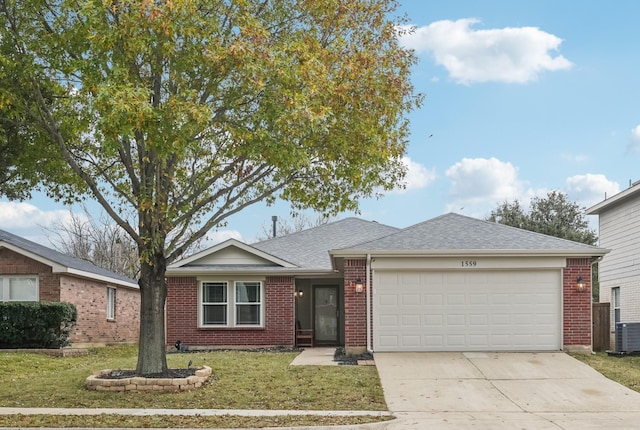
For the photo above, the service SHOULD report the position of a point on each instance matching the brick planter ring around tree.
(138, 383)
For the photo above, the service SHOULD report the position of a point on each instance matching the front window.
(111, 303)
(248, 303)
(19, 289)
(231, 304)
(615, 301)
(214, 303)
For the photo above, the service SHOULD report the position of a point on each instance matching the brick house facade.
(396, 268)
(183, 315)
(84, 286)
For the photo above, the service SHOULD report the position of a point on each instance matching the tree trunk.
(152, 356)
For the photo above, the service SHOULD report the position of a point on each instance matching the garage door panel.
(411, 321)
(457, 311)
(433, 320)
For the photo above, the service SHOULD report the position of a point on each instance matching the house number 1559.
(469, 263)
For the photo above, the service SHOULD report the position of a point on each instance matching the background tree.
(554, 215)
(99, 241)
(299, 222)
(185, 112)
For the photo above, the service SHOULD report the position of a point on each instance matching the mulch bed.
(350, 360)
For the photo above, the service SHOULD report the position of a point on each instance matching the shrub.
(36, 324)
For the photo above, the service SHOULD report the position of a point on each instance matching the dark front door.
(326, 314)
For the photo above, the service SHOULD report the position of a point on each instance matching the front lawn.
(624, 370)
(240, 380)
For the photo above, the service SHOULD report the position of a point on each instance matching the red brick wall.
(577, 304)
(89, 297)
(93, 328)
(182, 317)
(12, 263)
(355, 310)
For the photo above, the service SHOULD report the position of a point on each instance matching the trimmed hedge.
(36, 324)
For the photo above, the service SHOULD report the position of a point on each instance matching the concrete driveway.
(502, 391)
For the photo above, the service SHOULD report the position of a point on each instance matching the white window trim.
(616, 294)
(111, 303)
(4, 287)
(231, 303)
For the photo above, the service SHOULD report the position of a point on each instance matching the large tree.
(188, 111)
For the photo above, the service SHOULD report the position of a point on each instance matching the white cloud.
(24, 216)
(480, 179)
(590, 189)
(478, 185)
(417, 176)
(634, 141)
(512, 54)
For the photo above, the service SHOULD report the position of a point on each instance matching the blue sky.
(521, 98)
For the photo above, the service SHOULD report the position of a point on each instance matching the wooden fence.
(601, 326)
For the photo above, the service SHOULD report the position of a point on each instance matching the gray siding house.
(619, 221)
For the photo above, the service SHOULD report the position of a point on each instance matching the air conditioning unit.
(627, 337)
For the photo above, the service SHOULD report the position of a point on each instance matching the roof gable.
(454, 232)
(62, 263)
(231, 252)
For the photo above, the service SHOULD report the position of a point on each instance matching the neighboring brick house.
(108, 304)
(619, 271)
(452, 283)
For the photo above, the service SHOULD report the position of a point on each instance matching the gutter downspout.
(594, 261)
(368, 296)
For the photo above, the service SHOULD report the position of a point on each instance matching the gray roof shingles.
(59, 258)
(309, 248)
(458, 232)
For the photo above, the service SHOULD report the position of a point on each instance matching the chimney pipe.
(274, 219)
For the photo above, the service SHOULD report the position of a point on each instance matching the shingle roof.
(59, 258)
(458, 232)
(309, 248)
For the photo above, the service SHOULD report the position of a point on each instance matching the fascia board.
(107, 279)
(613, 200)
(55, 267)
(60, 268)
(353, 253)
(284, 272)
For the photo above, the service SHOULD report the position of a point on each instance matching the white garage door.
(467, 311)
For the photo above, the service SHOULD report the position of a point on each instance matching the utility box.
(627, 337)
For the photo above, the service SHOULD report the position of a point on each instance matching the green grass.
(240, 380)
(158, 421)
(624, 370)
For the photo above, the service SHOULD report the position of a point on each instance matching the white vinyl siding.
(19, 288)
(619, 231)
(231, 304)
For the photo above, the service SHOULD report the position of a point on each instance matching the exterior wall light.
(359, 286)
(298, 294)
(580, 284)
